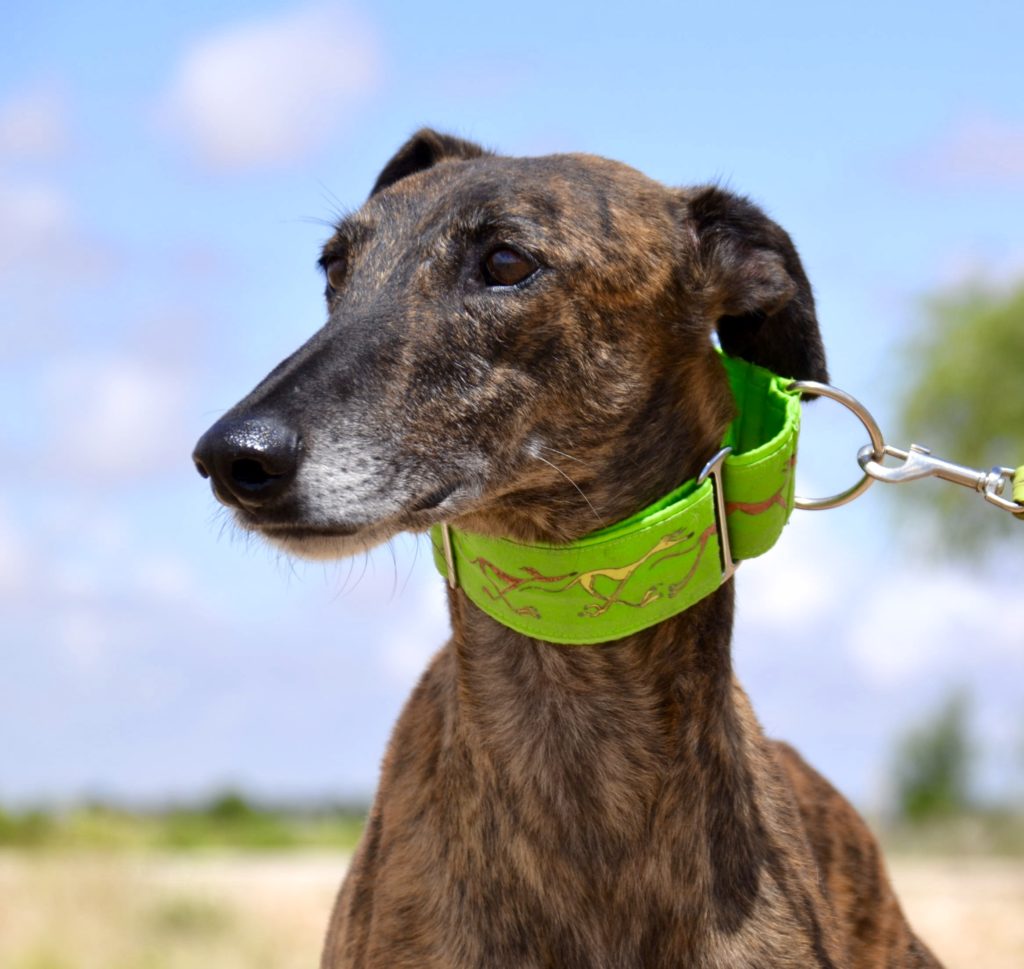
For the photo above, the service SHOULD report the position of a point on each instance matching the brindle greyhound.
(522, 347)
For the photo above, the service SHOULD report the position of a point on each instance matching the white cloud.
(979, 149)
(164, 577)
(84, 637)
(114, 417)
(415, 631)
(896, 619)
(270, 91)
(14, 557)
(1001, 270)
(35, 220)
(938, 620)
(788, 584)
(33, 124)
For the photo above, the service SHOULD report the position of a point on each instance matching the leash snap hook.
(919, 462)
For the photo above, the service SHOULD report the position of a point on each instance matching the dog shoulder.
(380, 879)
(852, 870)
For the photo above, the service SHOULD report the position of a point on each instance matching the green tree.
(964, 398)
(932, 764)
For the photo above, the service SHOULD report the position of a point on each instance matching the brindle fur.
(600, 807)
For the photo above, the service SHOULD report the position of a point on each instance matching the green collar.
(639, 572)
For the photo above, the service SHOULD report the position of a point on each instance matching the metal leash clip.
(918, 462)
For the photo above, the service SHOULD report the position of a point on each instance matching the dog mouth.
(435, 498)
(341, 538)
(299, 533)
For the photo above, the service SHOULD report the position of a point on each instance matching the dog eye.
(336, 271)
(506, 267)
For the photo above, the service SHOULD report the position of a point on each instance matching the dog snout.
(249, 461)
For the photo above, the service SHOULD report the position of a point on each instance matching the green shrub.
(932, 768)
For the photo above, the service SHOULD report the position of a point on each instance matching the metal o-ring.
(874, 432)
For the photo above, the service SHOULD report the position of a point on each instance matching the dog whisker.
(349, 585)
(394, 568)
(412, 566)
(315, 220)
(551, 464)
(343, 587)
(564, 454)
(339, 209)
(366, 565)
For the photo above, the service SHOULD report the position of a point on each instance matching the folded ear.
(424, 150)
(756, 289)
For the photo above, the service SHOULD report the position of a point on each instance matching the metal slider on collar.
(449, 555)
(713, 470)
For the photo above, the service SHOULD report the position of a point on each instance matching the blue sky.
(165, 174)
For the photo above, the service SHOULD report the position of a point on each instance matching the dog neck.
(602, 740)
(606, 736)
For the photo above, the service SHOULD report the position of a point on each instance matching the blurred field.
(269, 911)
(118, 911)
(969, 910)
(228, 821)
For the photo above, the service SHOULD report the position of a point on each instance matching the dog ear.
(757, 291)
(424, 150)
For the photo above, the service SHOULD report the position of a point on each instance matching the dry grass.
(118, 911)
(969, 910)
(122, 911)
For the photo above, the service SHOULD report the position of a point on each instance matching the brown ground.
(969, 910)
(268, 912)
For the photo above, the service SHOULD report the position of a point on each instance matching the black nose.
(249, 461)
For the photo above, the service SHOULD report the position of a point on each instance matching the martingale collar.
(658, 562)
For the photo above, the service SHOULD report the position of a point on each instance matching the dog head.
(520, 346)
